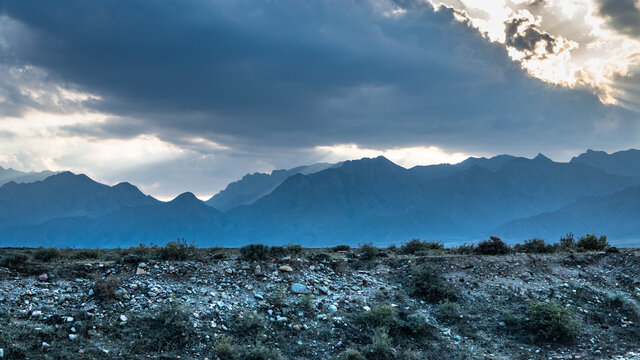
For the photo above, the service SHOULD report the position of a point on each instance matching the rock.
(285, 268)
(366, 308)
(43, 277)
(332, 308)
(323, 289)
(73, 336)
(140, 271)
(258, 271)
(298, 288)
(1, 353)
(142, 265)
(45, 344)
(69, 319)
(258, 296)
(297, 327)
(123, 318)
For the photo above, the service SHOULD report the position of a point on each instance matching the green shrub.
(535, 246)
(13, 260)
(493, 246)
(249, 324)
(590, 242)
(341, 248)
(255, 252)
(380, 316)
(415, 323)
(464, 249)
(86, 254)
(368, 251)
(380, 348)
(46, 254)
(350, 354)
(448, 311)
(177, 250)
(567, 242)
(428, 283)
(259, 352)
(416, 245)
(225, 348)
(105, 289)
(509, 318)
(551, 322)
(168, 329)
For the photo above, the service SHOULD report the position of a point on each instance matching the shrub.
(551, 322)
(46, 254)
(13, 260)
(493, 246)
(86, 254)
(259, 352)
(105, 289)
(464, 249)
(380, 348)
(567, 242)
(341, 248)
(176, 250)
(249, 324)
(509, 318)
(367, 251)
(448, 311)
(416, 245)
(225, 349)
(415, 323)
(255, 252)
(168, 329)
(428, 283)
(351, 354)
(535, 246)
(380, 316)
(590, 242)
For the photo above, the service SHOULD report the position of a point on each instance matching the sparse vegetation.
(105, 288)
(177, 250)
(380, 316)
(167, 330)
(590, 242)
(12, 260)
(351, 354)
(368, 251)
(448, 311)
(46, 254)
(535, 246)
(255, 252)
(416, 245)
(551, 322)
(428, 283)
(380, 348)
(84, 254)
(493, 246)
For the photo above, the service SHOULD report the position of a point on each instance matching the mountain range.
(353, 202)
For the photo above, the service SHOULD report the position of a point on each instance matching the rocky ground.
(314, 304)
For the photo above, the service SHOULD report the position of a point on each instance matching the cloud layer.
(273, 82)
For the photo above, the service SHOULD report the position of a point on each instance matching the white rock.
(73, 336)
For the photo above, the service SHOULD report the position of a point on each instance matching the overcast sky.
(188, 95)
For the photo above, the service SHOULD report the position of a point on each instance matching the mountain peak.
(185, 198)
(541, 157)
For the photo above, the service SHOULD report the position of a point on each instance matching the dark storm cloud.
(621, 15)
(526, 41)
(297, 74)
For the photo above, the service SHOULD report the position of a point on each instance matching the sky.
(190, 95)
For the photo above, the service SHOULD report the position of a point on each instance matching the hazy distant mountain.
(344, 204)
(7, 175)
(65, 195)
(254, 186)
(366, 200)
(625, 163)
(615, 215)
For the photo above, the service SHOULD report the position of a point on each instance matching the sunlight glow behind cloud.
(586, 53)
(407, 157)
